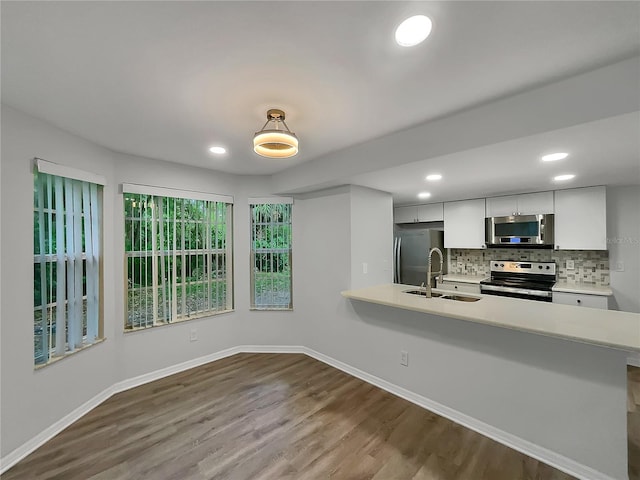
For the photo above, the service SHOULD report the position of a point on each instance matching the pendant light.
(273, 140)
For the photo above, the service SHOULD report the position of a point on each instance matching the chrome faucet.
(434, 274)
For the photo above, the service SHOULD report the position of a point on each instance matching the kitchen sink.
(461, 298)
(457, 298)
(423, 293)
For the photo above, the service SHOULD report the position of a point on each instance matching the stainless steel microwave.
(520, 231)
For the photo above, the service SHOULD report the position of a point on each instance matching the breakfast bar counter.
(543, 378)
(620, 330)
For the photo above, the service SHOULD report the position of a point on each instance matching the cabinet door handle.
(455, 286)
(579, 301)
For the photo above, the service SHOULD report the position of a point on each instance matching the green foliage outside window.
(178, 252)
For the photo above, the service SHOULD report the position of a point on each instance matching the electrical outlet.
(365, 267)
(404, 358)
(571, 265)
(193, 335)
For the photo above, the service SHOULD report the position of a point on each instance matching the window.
(66, 263)
(178, 252)
(271, 255)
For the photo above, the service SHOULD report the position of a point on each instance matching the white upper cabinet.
(581, 219)
(526, 204)
(535, 203)
(464, 224)
(432, 212)
(502, 206)
(405, 214)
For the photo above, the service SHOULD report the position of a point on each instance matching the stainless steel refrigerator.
(411, 245)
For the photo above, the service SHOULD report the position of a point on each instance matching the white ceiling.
(166, 80)
(605, 152)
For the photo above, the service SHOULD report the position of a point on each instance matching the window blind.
(67, 249)
(178, 253)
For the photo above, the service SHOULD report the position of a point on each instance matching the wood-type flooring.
(279, 416)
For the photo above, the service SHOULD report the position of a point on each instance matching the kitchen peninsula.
(539, 377)
(608, 328)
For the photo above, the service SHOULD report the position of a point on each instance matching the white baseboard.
(549, 457)
(26, 448)
(173, 369)
(273, 349)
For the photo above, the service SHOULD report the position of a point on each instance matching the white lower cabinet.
(581, 300)
(460, 286)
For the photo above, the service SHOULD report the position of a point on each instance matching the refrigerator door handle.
(395, 264)
(398, 269)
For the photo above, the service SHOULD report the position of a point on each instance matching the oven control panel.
(538, 268)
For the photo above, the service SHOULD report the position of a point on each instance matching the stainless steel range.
(529, 280)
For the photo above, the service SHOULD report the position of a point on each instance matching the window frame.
(273, 201)
(164, 259)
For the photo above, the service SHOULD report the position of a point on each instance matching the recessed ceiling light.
(562, 178)
(413, 31)
(218, 150)
(434, 176)
(552, 157)
(424, 195)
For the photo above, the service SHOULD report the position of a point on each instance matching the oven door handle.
(521, 291)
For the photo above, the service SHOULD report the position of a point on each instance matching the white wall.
(71, 382)
(490, 374)
(371, 237)
(33, 400)
(573, 394)
(623, 238)
(149, 350)
(322, 267)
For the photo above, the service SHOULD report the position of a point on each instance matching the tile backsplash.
(590, 266)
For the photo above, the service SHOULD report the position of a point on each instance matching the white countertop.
(452, 277)
(588, 325)
(582, 289)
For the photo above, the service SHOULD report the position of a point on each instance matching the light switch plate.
(619, 267)
(571, 265)
(404, 358)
